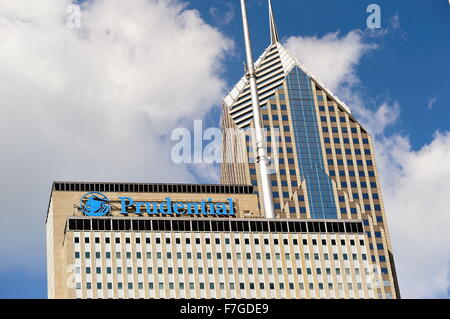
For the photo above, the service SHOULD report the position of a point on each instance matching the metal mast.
(273, 27)
(261, 154)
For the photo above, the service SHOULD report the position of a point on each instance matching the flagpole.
(261, 151)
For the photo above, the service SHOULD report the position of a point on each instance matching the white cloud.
(375, 120)
(331, 58)
(414, 182)
(223, 16)
(99, 103)
(417, 196)
(96, 103)
(431, 102)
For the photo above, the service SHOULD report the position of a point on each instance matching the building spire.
(273, 27)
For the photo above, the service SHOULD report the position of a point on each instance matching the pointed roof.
(273, 27)
(272, 67)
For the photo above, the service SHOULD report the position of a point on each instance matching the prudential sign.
(97, 204)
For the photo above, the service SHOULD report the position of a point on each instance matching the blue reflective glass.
(308, 145)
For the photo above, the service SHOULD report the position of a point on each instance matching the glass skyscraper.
(322, 158)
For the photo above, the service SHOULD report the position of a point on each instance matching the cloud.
(431, 102)
(414, 182)
(225, 16)
(416, 192)
(393, 28)
(376, 117)
(332, 58)
(395, 22)
(95, 103)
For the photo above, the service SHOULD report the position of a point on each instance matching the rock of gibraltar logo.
(94, 204)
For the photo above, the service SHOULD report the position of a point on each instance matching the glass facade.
(307, 141)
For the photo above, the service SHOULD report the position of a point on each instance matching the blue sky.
(409, 69)
(411, 65)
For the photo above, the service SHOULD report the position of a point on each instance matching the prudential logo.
(94, 204)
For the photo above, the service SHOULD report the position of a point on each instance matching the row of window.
(362, 184)
(221, 286)
(237, 256)
(227, 241)
(220, 271)
(153, 188)
(345, 140)
(350, 162)
(352, 173)
(333, 119)
(335, 129)
(209, 225)
(347, 151)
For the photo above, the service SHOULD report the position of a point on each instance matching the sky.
(98, 101)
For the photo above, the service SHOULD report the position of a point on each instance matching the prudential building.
(329, 239)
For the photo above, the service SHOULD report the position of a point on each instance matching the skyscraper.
(329, 238)
(322, 158)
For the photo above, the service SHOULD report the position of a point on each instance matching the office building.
(102, 242)
(322, 158)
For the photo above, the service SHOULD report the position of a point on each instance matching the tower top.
(273, 27)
